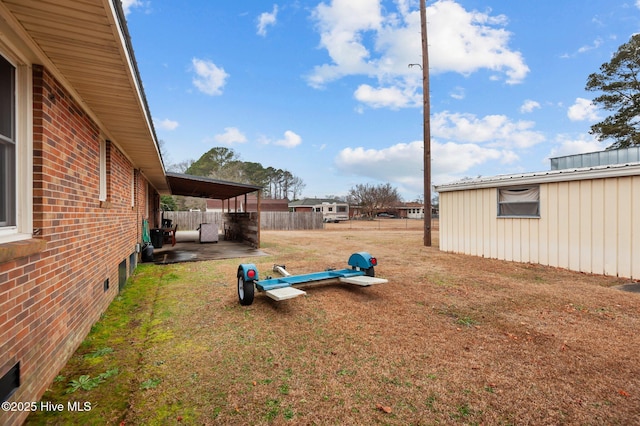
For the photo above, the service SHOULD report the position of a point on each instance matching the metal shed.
(583, 219)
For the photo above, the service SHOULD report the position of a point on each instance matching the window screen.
(519, 201)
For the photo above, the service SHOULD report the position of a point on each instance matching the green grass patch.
(104, 368)
(150, 383)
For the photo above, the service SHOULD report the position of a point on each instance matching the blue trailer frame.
(280, 288)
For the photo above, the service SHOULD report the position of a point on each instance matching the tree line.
(224, 164)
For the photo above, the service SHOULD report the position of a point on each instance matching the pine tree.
(618, 82)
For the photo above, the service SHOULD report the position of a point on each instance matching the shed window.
(519, 201)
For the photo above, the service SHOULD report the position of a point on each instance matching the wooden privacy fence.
(286, 221)
(290, 221)
(189, 221)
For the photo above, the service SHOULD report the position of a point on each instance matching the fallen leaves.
(511, 336)
(383, 408)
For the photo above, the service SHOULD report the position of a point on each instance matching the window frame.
(8, 149)
(133, 188)
(508, 205)
(103, 170)
(22, 228)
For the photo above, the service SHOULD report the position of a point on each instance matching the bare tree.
(297, 185)
(374, 199)
(180, 167)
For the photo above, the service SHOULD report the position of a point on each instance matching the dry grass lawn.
(451, 339)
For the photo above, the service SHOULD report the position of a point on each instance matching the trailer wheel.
(245, 290)
(368, 272)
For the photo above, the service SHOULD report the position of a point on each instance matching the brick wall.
(49, 300)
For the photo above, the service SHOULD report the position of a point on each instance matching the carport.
(245, 226)
(202, 187)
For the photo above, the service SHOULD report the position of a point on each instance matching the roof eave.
(565, 175)
(86, 46)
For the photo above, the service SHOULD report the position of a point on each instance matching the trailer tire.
(245, 290)
(368, 272)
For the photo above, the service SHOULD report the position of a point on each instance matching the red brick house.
(79, 171)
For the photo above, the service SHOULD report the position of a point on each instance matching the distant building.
(332, 210)
(411, 210)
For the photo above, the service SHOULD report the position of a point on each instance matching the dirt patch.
(451, 339)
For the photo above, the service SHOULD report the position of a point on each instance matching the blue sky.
(323, 88)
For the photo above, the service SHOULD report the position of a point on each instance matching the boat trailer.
(281, 288)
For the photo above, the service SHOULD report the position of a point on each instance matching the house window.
(7, 143)
(16, 145)
(523, 201)
(342, 209)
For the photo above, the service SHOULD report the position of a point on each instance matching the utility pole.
(427, 125)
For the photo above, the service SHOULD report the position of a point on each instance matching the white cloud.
(290, 140)
(402, 164)
(470, 143)
(596, 43)
(529, 106)
(267, 19)
(363, 38)
(209, 78)
(230, 136)
(342, 24)
(167, 124)
(453, 160)
(127, 5)
(465, 41)
(492, 130)
(583, 109)
(566, 145)
(458, 93)
(391, 97)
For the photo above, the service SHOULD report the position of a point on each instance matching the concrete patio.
(189, 249)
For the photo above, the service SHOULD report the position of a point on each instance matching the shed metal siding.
(587, 225)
